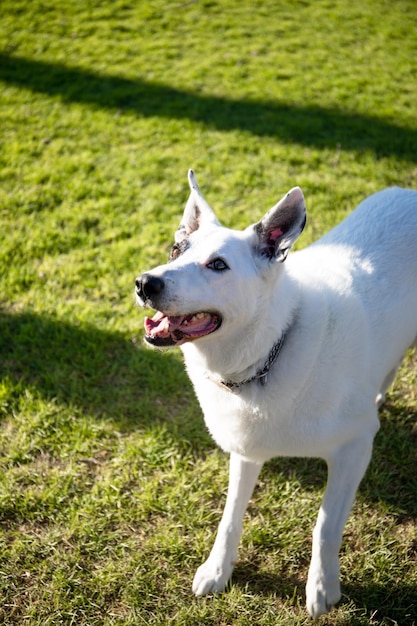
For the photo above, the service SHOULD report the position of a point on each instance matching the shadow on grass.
(387, 604)
(394, 603)
(253, 577)
(309, 125)
(97, 371)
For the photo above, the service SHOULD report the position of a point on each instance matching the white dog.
(289, 358)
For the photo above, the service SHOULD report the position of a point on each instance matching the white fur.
(350, 304)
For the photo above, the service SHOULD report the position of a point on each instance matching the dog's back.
(373, 255)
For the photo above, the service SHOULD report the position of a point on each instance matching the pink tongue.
(161, 325)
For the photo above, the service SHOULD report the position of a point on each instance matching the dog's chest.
(249, 423)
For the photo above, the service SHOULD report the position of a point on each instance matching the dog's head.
(207, 282)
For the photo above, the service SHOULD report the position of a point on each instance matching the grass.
(110, 488)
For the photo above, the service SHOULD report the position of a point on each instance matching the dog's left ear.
(197, 211)
(281, 226)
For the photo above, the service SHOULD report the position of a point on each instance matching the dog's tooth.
(200, 316)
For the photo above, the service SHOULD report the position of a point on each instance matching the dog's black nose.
(148, 286)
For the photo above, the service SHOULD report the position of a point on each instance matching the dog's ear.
(197, 211)
(281, 226)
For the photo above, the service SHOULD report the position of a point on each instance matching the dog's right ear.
(281, 226)
(197, 211)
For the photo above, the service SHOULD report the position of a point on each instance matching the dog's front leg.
(345, 471)
(215, 572)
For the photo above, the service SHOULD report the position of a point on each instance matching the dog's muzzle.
(164, 330)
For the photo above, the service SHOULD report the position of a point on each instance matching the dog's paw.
(321, 595)
(211, 577)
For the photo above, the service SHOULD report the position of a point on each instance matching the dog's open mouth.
(164, 331)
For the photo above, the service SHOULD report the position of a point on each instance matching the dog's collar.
(261, 375)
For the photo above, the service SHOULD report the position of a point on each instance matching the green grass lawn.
(110, 487)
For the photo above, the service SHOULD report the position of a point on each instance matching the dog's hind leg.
(214, 574)
(345, 471)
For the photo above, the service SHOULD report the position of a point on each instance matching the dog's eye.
(218, 265)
